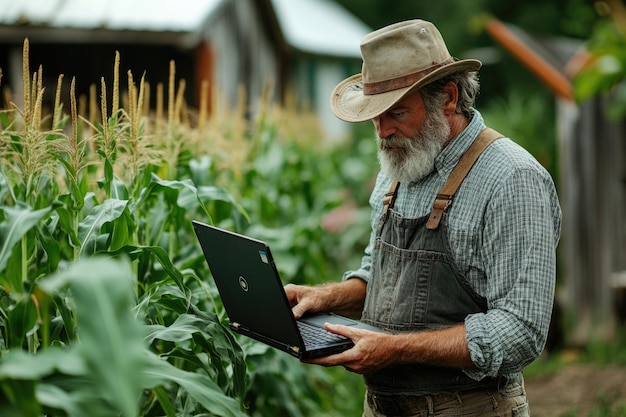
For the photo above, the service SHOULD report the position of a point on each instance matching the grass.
(597, 356)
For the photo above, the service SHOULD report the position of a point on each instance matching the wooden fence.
(592, 151)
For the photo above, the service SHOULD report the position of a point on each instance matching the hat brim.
(350, 104)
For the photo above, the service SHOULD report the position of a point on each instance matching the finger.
(341, 330)
(290, 291)
(347, 368)
(342, 360)
(298, 311)
(331, 360)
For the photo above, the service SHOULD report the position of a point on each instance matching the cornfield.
(106, 305)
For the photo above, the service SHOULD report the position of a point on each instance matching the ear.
(452, 90)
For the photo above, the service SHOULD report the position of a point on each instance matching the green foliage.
(81, 332)
(106, 302)
(605, 72)
(607, 405)
(603, 353)
(106, 371)
(512, 116)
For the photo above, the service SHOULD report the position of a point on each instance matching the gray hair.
(468, 85)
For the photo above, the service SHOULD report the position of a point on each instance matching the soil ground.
(576, 390)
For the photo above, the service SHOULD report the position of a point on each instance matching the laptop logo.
(243, 284)
(263, 256)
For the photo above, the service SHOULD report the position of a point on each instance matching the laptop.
(254, 299)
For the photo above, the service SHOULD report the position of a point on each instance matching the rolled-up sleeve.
(364, 272)
(519, 240)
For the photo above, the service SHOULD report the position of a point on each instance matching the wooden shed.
(592, 190)
(306, 46)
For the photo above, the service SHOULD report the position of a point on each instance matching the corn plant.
(101, 309)
(106, 302)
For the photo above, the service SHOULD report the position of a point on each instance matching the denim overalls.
(417, 286)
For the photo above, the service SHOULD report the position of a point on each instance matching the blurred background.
(258, 75)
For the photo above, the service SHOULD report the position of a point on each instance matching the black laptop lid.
(249, 285)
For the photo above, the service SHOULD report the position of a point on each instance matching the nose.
(384, 127)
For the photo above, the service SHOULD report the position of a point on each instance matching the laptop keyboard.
(313, 335)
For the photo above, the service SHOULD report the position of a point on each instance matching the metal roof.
(320, 27)
(136, 15)
(313, 26)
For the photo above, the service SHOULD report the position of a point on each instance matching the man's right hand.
(304, 299)
(345, 298)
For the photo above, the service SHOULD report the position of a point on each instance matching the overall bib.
(417, 286)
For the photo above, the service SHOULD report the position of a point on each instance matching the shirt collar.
(450, 155)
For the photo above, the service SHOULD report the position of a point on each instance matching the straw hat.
(397, 60)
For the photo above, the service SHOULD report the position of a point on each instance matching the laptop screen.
(248, 283)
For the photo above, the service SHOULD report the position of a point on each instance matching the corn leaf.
(52, 396)
(18, 220)
(89, 228)
(198, 386)
(21, 319)
(111, 344)
(162, 257)
(181, 330)
(17, 364)
(110, 337)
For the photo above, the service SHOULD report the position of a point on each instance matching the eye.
(397, 114)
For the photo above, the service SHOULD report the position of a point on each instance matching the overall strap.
(444, 198)
(388, 200)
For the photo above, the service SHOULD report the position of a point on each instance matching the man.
(460, 268)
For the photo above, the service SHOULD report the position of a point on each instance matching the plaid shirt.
(504, 227)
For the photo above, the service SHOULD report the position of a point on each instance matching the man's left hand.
(371, 350)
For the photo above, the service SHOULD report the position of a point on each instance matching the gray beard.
(416, 159)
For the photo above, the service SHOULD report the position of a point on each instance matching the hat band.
(400, 82)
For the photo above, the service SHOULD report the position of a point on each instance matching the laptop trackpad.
(319, 320)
